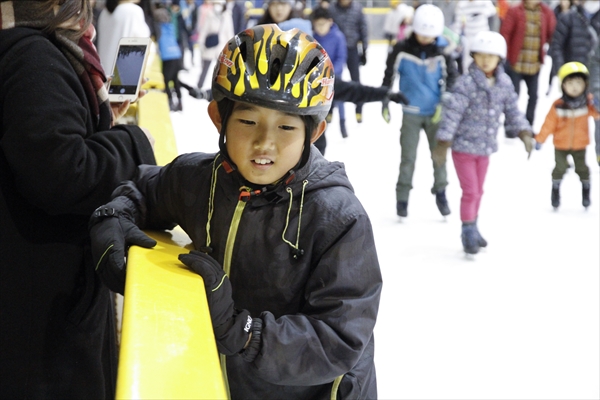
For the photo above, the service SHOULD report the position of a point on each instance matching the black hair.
(576, 75)
(320, 13)
(111, 5)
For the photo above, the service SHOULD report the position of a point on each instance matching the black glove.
(112, 230)
(231, 328)
(398, 97)
(363, 58)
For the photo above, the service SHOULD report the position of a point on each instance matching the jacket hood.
(9, 37)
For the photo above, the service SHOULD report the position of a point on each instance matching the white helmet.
(489, 42)
(428, 21)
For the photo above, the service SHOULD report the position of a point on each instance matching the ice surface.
(519, 321)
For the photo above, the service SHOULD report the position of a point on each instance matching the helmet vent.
(313, 64)
(274, 72)
(247, 53)
(306, 67)
(278, 53)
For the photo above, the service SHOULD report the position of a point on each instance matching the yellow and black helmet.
(282, 70)
(572, 68)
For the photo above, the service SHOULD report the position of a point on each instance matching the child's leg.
(467, 171)
(342, 112)
(440, 178)
(205, 69)
(560, 158)
(409, 140)
(481, 168)
(341, 109)
(532, 88)
(581, 168)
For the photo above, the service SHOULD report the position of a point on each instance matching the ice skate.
(555, 198)
(442, 203)
(402, 208)
(470, 238)
(585, 194)
(480, 240)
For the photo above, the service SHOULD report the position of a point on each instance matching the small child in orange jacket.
(568, 121)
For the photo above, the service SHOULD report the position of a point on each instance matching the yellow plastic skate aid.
(168, 349)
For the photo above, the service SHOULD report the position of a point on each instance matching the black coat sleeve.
(355, 92)
(58, 162)
(390, 64)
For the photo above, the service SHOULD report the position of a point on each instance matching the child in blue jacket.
(327, 33)
(425, 71)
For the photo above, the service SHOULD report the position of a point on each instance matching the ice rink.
(519, 321)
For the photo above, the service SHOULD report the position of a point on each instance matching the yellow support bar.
(153, 114)
(168, 349)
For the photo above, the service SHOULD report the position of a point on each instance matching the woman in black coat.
(60, 158)
(573, 39)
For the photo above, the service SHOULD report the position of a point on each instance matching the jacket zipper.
(233, 228)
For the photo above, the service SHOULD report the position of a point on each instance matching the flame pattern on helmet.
(284, 70)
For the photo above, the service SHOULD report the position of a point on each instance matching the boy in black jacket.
(284, 246)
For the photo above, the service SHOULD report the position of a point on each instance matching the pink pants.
(471, 170)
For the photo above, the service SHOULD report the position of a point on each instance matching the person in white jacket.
(215, 28)
(120, 18)
(470, 18)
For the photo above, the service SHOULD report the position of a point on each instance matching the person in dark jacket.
(60, 158)
(283, 244)
(576, 38)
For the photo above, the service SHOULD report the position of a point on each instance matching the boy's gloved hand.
(526, 138)
(438, 154)
(538, 146)
(396, 97)
(231, 328)
(112, 230)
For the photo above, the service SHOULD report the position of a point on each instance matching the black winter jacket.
(56, 326)
(573, 39)
(318, 310)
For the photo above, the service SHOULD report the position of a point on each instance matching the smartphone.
(128, 69)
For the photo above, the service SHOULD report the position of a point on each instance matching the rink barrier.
(167, 345)
(168, 349)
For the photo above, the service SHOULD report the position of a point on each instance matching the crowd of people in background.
(441, 34)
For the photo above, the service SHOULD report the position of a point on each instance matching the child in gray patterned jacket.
(470, 122)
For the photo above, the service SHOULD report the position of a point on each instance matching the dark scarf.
(82, 55)
(576, 102)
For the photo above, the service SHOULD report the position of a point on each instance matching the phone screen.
(128, 68)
